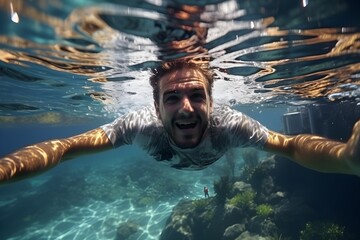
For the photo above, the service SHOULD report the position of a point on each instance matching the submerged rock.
(179, 223)
(265, 227)
(195, 220)
(249, 236)
(125, 230)
(239, 187)
(233, 231)
(233, 214)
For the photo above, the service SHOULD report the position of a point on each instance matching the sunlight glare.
(305, 2)
(14, 15)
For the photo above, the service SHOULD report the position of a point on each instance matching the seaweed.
(222, 189)
(244, 199)
(322, 231)
(264, 210)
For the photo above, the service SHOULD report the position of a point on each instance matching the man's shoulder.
(141, 117)
(145, 113)
(138, 125)
(224, 111)
(145, 109)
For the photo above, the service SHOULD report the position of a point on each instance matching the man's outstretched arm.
(319, 153)
(36, 158)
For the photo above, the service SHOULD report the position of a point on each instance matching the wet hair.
(167, 67)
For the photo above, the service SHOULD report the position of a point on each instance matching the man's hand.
(36, 158)
(319, 153)
(352, 149)
(32, 159)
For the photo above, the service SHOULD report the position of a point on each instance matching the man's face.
(184, 106)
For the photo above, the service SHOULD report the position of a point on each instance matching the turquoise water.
(70, 66)
(87, 198)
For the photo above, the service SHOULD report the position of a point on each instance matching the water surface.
(70, 66)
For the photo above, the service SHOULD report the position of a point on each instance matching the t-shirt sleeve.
(240, 130)
(125, 129)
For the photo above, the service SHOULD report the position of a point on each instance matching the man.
(206, 192)
(186, 131)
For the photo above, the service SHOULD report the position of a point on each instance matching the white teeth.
(186, 123)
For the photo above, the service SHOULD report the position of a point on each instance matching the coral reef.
(269, 200)
(322, 231)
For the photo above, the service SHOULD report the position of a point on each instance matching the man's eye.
(198, 97)
(171, 99)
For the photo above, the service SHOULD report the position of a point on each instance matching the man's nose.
(186, 105)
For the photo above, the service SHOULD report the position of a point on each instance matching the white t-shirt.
(227, 129)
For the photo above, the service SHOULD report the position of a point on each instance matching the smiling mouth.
(186, 125)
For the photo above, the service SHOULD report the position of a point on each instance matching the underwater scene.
(70, 66)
